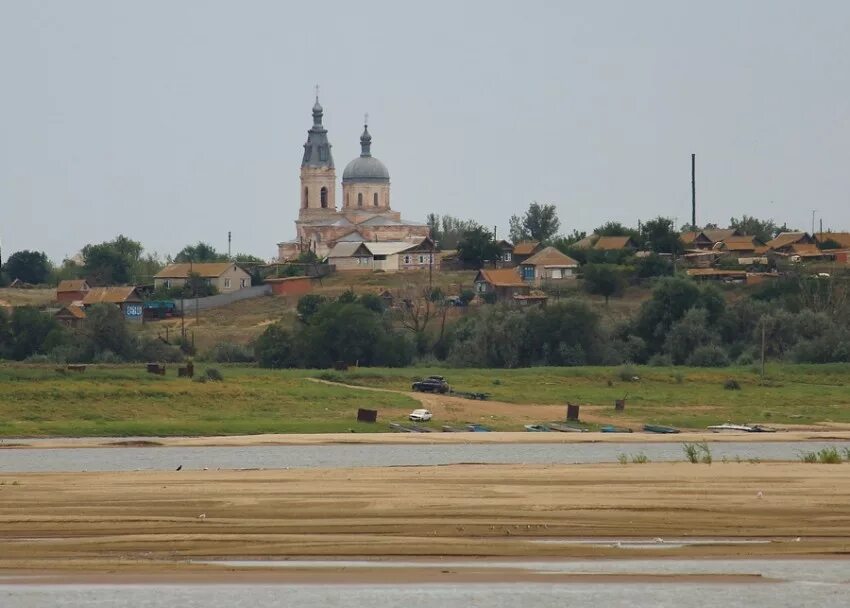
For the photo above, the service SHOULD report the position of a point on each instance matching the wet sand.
(786, 434)
(138, 524)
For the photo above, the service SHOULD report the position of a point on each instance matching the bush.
(213, 375)
(697, 452)
(228, 352)
(731, 385)
(627, 373)
(660, 360)
(709, 355)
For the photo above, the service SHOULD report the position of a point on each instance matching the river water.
(820, 583)
(331, 456)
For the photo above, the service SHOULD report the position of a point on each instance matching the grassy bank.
(36, 401)
(124, 400)
(687, 397)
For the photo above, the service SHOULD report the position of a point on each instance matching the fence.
(223, 299)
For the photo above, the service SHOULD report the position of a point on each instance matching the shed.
(71, 291)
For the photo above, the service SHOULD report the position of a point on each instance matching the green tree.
(660, 236)
(539, 223)
(112, 262)
(764, 230)
(107, 331)
(308, 305)
(653, 265)
(28, 266)
(477, 246)
(671, 299)
(617, 229)
(28, 330)
(199, 253)
(604, 279)
(274, 348)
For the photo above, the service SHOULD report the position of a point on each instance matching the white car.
(420, 415)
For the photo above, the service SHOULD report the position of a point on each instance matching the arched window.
(323, 195)
(348, 199)
(375, 199)
(306, 194)
(359, 199)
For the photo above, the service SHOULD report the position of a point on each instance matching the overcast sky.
(175, 121)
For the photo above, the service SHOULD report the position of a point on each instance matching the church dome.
(365, 168)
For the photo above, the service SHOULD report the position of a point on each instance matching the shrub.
(627, 373)
(731, 385)
(678, 377)
(622, 458)
(809, 457)
(697, 452)
(709, 355)
(213, 375)
(228, 352)
(829, 456)
(640, 458)
(660, 360)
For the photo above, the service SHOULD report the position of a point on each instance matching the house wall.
(418, 260)
(292, 286)
(343, 264)
(390, 264)
(233, 279)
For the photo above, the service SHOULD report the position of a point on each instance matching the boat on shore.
(758, 428)
(660, 428)
(608, 428)
(727, 427)
(565, 428)
(536, 428)
(401, 428)
(477, 428)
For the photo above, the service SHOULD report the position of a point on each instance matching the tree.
(112, 262)
(764, 230)
(604, 279)
(274, 348)
(660, 236)
(566, 241)
(200, 253)
(433, 221)
(28, 330)
(447, 231)
(308, 305)
(830, 244)
(540, 223)
(617, 229)
(107, 331)
(653, 265)
(477, 246)
(28, 266)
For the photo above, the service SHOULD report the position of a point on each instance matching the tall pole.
(694, 190)
(228, 245)
(813, 220)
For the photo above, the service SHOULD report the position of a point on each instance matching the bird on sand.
(759, 494)
(202, 516)
(179, 468)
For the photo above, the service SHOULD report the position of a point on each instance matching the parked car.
(431, 384)
(420, 415)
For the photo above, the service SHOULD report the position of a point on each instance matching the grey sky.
(173, 122)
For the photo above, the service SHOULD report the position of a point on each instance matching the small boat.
(659, 428)
(536, 428)
(565, 428)
(739, 428)
(607, 428)
(418, 429)
(477, 428)
(451, 429)
(397, 428)
(758, 428)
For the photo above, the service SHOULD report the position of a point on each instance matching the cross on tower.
(366, 119)
(317, 92)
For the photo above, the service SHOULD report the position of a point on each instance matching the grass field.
(687, 397)
(128, 401)
(124, 400)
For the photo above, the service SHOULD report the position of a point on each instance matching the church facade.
(363, 214)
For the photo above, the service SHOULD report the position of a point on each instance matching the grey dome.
(365, 169)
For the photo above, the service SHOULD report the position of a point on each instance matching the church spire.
(366, 139)
(317, 150)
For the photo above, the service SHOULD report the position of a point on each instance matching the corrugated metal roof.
(72, 285)
(389, 247)
(344, 249)
(613, 242)
(525, 247)
(111, 295)
(502, 277)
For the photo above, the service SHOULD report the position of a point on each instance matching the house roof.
(715, 272)
(351, 237)
(740, 243)
(501, 277)
(379, 220)
(206, 270)
(111, 295)
(842, 238)
(71, 311)
(345, 249)
(550, 257)
(805, 249)
(716, 235)
(390, 247)
(783, 239)
(587, 242)
(526, 247)
(689, 237)
(72, 285)
(613, 242)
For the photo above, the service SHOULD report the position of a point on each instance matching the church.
(364, 215)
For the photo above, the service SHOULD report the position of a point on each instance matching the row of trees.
(121, 261)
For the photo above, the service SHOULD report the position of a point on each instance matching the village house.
(127, 299)
(226, 277)
(842, 239)
(615, 243)
(548, 264)
(69, 291)
(71, 316)
(708, 238)
(524, 250)
(504, 283)
(506, 249)
(784, 241)
(387, 256)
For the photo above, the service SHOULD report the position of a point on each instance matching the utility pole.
(813, 220)
(228, 246)
(694, 190)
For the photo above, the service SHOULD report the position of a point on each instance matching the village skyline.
(595, 109)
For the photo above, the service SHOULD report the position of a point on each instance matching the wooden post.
(694, 190)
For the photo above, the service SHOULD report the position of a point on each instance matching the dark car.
(431, 384)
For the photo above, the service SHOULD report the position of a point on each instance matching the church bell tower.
(318, 176)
